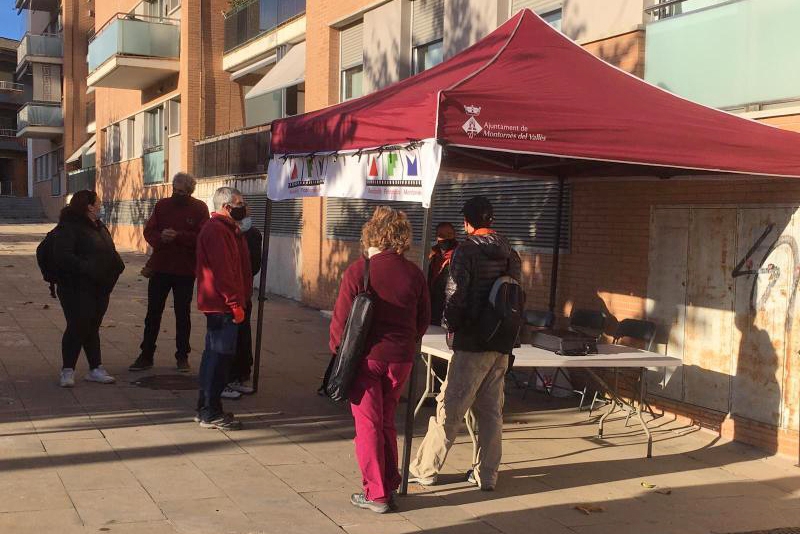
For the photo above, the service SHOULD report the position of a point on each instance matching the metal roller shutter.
(287, 215)
(525, 212)
(352, 46)
(427, 21)
(537, 6)
(129, 212)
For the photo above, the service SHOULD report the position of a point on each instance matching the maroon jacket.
(402, 307)
(224, 279)
(177, 257)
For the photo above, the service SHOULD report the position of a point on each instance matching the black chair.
(636, 329)
(589, 322)
(539, 318)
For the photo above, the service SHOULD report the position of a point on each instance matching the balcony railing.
(725, 54)
(153, 162)
(40, 115)
(135, 36)
(39, 46)
(82, 179)
(38, 5)
(10, 141)
(672, 8)
(235, 154)
(11, 87)
(250, 19)
(6, 188)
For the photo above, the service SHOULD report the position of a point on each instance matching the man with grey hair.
(172, 232)
(224, 287)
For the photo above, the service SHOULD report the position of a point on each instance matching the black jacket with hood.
(85, 255)
(477, 263)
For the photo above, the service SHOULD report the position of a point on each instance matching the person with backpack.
(482, 335)
(172, 233)
(400, 317)
(86, 266)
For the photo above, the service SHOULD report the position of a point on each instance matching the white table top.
(435, 344)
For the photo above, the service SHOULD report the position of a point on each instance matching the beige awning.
(289, 71)
(86, 148)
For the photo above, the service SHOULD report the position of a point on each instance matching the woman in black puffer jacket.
(88, 268)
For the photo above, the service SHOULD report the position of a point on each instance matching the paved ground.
(127, 459)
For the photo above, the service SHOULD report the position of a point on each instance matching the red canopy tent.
(528, 100)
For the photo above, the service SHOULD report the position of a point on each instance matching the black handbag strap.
(366, 274)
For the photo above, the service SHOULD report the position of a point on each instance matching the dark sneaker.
(141, 364)
(358, 499)
(393, 502)
(471, 479)
(182, 365)
(223, 422)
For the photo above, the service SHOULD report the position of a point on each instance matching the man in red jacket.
(224, 286)
(172, 232)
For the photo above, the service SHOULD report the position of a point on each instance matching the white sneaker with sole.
(67, 378)
(98, 374)
(241, 387)
(232, 394)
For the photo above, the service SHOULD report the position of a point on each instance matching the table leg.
(427, 358)
(642, 394)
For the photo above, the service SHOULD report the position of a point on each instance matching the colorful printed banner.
(406, 174)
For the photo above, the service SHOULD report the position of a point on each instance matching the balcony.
(46, 48)
(153, 163)
(240, 153)
(12, 93)
(10, 141)
(38, 5)
(134, 52)
(82, 179)
(40, 121)
(255, 28)
(725, 54)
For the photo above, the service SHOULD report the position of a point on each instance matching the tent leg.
(556, 244)
(408, 429)
(262, 289)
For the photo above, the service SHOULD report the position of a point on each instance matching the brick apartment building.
(13, 150)
(191, 85)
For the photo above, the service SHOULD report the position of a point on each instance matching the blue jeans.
(220, 349)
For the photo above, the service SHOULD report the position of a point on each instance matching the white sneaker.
(67, 378)
(241, 387)
(232, 394)
(98, 374)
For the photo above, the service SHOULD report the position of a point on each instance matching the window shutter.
(352, 46)
(525, 211)
(537, 6)
(428, 21)
(287, 215)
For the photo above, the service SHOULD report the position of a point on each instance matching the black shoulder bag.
(350, 353)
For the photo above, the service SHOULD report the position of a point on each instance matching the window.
(154, 128)
(174, 119)
(172, 5)
(427, 56)
(352, 82)
(427, 32)
(129, 125)
(113, 141)
(553, 18)
(352, 61)
(549, 10)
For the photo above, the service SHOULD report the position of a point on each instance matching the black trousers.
(243, 359)
(158, 289)
(84, 310)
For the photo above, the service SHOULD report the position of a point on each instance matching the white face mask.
(245, 224)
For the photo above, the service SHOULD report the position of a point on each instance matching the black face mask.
(447, 245)
(237, 212)
(180, 199)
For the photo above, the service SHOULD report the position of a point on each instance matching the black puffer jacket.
(476, 264)
(85, 254)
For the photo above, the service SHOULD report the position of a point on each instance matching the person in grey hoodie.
(475, 376)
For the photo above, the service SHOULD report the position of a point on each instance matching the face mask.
(181, 200)
(246, 224)
(447, 244)
(237, 212)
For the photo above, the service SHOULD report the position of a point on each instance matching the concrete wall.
(589, 20)
(387, 45)
(468, 21)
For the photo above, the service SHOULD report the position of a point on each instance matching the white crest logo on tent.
(472, 127)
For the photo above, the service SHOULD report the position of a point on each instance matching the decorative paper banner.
(405, 173)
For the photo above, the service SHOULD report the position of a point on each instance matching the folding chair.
(637, 329)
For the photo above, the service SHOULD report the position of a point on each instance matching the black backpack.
(502, 318)
(45, 257)
(350, 352)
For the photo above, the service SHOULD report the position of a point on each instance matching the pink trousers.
(373, 401)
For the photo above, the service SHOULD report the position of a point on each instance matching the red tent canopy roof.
(528, 90)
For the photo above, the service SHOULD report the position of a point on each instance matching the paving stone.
(304, 478)
(64, 521)
(208, 516)
(173, 478)
(115, 505)
(23, 491)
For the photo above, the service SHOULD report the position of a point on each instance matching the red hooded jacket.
(224, 279)
(187, 218)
